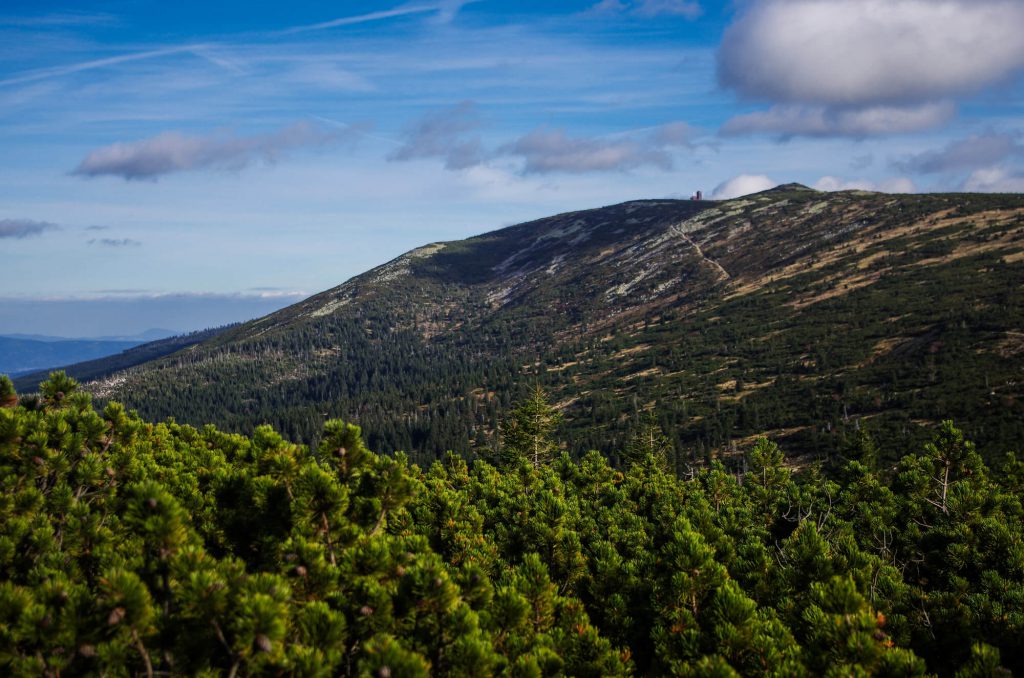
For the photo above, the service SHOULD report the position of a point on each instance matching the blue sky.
(219, 160)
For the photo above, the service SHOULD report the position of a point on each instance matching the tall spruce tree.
(648, 444)
(529, 433)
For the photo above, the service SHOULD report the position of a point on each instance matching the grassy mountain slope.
(799, 313)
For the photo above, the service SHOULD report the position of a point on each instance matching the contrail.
(58, 71)
(362, 18)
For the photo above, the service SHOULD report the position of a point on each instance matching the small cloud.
(743, 184)
(892, 185)
(978, 151)
(442, 134)
(688, 9)
(447, 10)
(171, 152)
(24, 228)
(678, 134)
(788, 121)
(551, 150)
(994, 180)
(115, 242)
(97, 228)
(328, 76)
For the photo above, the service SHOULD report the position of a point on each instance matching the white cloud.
(871, 52)
(994, 180)
(821, 121)
(551, 150)
(449, 134)
(866, 67)
(743, 184)
(892, 185)
(977, 151)
(170, 152)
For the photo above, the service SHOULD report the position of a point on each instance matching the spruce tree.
(648, 444)
(529, 433)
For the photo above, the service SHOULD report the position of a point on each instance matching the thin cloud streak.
(58, 71)
(60, 19)
(361, 19)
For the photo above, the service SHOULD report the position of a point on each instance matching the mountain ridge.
(793, 311)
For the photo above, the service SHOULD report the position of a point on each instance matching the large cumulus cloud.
(859, 67)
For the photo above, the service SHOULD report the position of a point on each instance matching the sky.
(186, 164)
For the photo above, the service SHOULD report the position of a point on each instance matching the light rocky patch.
(330, 307)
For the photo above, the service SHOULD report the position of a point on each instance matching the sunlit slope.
(793, 311)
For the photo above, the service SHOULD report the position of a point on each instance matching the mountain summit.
(800, 313)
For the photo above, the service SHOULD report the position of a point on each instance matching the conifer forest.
(133, 548)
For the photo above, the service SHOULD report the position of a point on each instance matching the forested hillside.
(796, 313)
(131, 548)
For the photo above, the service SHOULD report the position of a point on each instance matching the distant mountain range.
(803, 314)
(20, 356)
(120, 356)
(27, 353)
(141, 338)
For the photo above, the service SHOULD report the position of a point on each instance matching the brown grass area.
(563, 366)
(843, 285)
(639, 348)
(1011, 345)
(649, 372)
(1008, 241)
(874, 238)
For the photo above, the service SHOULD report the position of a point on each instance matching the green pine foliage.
(129, 548)
(528, 434)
